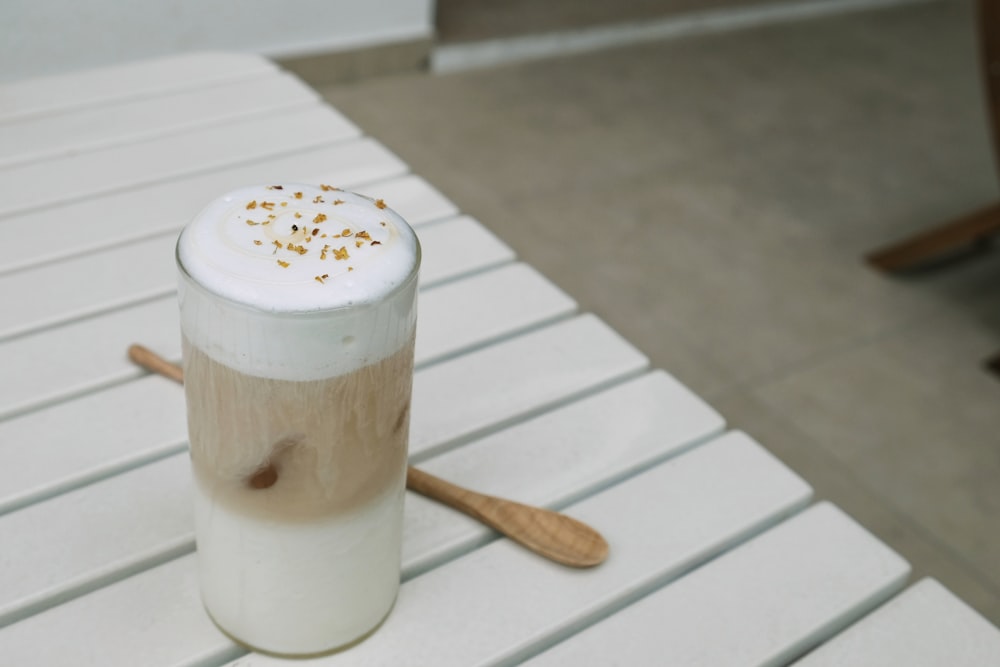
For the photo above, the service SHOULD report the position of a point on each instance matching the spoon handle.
(555, 536)
(547, 533)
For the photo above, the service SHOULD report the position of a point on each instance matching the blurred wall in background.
(57, 36)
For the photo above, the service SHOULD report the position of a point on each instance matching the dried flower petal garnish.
(283, 264)
(252, 204)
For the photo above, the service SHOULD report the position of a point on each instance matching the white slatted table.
(717, 557)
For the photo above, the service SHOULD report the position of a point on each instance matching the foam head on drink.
(298, 314)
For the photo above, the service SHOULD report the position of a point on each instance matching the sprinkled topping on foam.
(223, 249)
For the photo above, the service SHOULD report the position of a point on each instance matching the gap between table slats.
(925, 626)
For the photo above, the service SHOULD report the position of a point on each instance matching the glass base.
(303, 656)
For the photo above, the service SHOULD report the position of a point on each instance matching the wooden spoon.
(556, 536)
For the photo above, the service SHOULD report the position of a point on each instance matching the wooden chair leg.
(938, 241)
(980, 224)
(993, 363)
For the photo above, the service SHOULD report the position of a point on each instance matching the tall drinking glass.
(298, 309)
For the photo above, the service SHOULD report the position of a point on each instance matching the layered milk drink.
(297, 314)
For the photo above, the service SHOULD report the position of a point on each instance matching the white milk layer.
(297, 282)
(299, 588)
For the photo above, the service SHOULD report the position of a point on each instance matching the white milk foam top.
(297, 282)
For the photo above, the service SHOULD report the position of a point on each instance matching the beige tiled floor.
(711, 198)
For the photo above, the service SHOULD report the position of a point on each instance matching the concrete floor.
(711, 198)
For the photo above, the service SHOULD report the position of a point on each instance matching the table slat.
(467, 243)
(68, 92)
(59, 135)
(89, 174)
(763, 603)
(412, 197)
(411, 189)
(500, 595)
(925, 626)
(459, 315)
